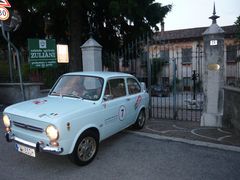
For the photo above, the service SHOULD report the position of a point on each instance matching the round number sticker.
(122, 113)
(4, 14)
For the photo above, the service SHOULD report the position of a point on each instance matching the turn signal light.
(54, 143)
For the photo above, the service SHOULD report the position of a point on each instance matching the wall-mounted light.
(213, 67)
(62, 53)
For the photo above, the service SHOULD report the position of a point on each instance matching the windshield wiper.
(66, 95)
(71, 95)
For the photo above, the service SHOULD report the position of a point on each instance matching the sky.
(195, 13)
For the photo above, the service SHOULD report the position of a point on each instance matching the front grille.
(28, 127)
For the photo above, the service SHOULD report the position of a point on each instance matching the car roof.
(103, 74)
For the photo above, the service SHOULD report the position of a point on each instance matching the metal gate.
(172, 71)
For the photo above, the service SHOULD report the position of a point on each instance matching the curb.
(187, 141)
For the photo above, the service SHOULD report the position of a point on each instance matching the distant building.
(185, 47)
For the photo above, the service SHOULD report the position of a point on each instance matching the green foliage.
(4, 71)
(114, 8)
(199, 86)
(25, 72)
(157, 67)
(237, 23)
(156, 13)
(112, 22)
(49, 77)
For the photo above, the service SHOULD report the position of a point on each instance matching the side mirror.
(107, 97)
(143, 87)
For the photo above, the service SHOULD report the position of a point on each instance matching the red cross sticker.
(4, 3)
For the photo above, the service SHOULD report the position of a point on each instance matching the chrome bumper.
(39, 146)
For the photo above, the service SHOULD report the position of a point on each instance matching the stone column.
(92, 55)
(213, 78)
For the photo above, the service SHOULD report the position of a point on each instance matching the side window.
(133, 86)
(115, 88)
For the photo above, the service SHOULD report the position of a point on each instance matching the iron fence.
(172, 71)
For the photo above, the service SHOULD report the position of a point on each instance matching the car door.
(134, 99)
(115, 111)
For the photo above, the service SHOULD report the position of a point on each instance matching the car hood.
(49, 107)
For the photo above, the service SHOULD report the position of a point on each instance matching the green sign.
(42, 53)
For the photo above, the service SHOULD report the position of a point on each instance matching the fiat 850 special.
(81, 110)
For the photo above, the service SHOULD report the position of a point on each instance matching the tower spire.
(214, 17)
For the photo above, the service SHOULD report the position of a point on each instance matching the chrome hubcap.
(87, 148)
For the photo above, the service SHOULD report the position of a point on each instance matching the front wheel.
(141, 119)
(85, 149)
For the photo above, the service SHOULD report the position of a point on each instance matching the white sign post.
(4, 15)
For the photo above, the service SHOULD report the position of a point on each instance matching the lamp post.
(48, 25)
(7, 29)
(194, 78)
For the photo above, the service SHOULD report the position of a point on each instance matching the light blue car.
(81, 110)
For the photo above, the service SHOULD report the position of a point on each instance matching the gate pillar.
(92, 55)
(213, 78)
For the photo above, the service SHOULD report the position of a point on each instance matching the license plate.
(26, 150)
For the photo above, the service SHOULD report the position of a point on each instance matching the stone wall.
(10, 93)
(231, 113)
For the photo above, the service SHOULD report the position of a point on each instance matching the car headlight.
(6, 121)
(52, 133)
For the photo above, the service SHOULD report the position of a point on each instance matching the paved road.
(125, 156)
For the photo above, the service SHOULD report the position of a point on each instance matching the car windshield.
(78, 86)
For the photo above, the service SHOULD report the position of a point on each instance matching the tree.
(113, 22)
(237, 23)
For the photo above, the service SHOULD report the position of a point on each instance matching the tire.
(141, 119)
(85, 149)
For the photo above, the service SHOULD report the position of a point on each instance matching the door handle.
(128, 99)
